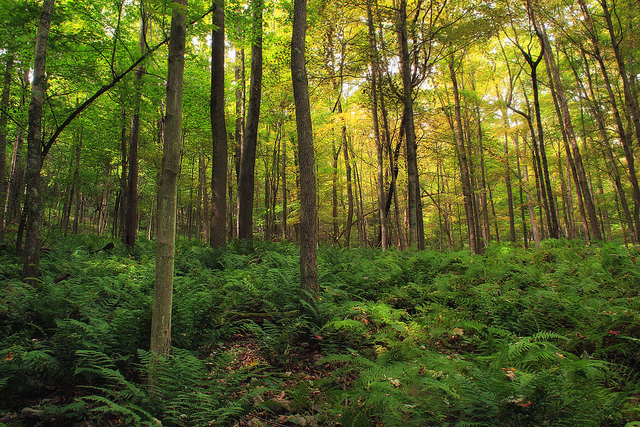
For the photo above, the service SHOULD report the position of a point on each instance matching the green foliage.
(547, 337)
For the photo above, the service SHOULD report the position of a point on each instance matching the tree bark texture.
(167, 190)
(246, 178)
(308, 212)
(4, 104)
(33, 201)
(413, 187)
(218, 225)
(465, 175)
(131, 216)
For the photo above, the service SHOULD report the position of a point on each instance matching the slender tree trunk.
(77, 197)
(284, 191)
(239, 131)
(167, 191)
(589, 205)
(334, 192)
(630, 99)
(131, 217)
(33, 202)
(596, 112)
(4, 104)
(613, 103)
(413, 186)
(246, 179)
(507, 180)
(308, 212)
(382, 212)
(218, 225)
(350, 205)
(465, 178)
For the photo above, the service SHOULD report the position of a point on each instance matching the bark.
(507, 180)
(239, 131)
(4, 104)
(350, 203)
(465, 178)
(76, 198)
(630, 99)
(284, 190)
(334, 192)
(589, 205)
(413, 187)
(246, 178)
(634, 225)
(373, 49)
(131, 215)
(308, 209)
(596, 112)
(218, 225)
(167, 189)
(33, 202)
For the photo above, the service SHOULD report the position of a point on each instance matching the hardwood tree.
(33, 201)
(308, 213)
(218, 224)
(131, 216)
(167, 189)
(246, 176)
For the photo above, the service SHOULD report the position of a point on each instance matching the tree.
(246, 177)
(4, 105)
(33, 202)
(167, 189)
(308, 213)
(218, 233)
(414, 208)
(131, 215)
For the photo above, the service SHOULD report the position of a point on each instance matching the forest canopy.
(441, 124)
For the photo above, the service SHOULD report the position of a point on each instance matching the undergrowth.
(547, 337)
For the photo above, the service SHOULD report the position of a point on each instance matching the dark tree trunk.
(373, 56)
(465, 176)
(246, 178)
(413, 186)
(218, 230)
(308, 210)
(4, 104)
(131, 217)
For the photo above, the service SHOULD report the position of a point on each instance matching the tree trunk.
(239, 131)
(613, 102)
(218, 225)
(373, 49)
(131, 216)
(167, 190)
(589, 205)
(413, 186)
(465, 178)
(348, 172)
(77, 197)
(4, 104)
(308, 210)
(33, 202)
(246, 178)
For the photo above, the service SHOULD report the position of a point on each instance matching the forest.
(310, 213)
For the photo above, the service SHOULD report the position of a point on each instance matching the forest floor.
(544, 337)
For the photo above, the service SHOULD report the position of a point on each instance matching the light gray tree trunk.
(167, 189)
(33, 201)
